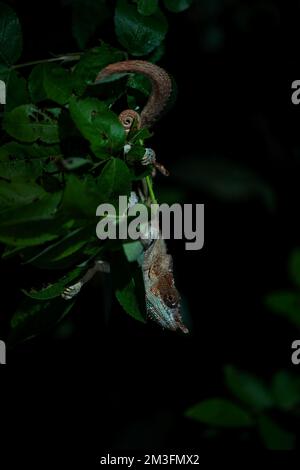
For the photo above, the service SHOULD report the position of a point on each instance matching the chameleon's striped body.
(162, 298)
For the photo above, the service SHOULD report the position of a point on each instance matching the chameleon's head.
(166, 311)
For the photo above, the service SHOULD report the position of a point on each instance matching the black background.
(118, 384)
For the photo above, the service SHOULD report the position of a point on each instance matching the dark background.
(117, 384)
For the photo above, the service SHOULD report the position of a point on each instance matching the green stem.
(66, 58)
(150, 189)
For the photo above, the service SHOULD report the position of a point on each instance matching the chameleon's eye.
(171, 300)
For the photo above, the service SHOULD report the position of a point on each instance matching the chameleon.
(162, 298)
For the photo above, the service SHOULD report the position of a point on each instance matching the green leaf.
(141, 134)
(36, 84)
(18, 124)
(147, 7)
(286, 304)
(11, 251)
(80, 198)
(10, 35)
(34, 317)
(139, 34)
(32, 224)
(140, 83)
(87, 16)
(220, 412)
(127, 288)
(114, 180)
(16, 88)
(54, 290)
(57, 83)
(23, 233)
(294, 267)
(112, 135)
(273, 436)
(22, 163)
(17, 151)
(27, 124)
(43, 205)
(50, 81)
(100, 126)
(248, 388)
(286, 390)
(157, 54)
(63, 253)
(136, 153)
(177, 6)
(18, 193)
(133, 251)
(92, 62)
(127, 298)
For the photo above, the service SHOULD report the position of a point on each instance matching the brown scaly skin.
(162, 298)
(161, 90)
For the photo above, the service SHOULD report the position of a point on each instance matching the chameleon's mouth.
(168, 318)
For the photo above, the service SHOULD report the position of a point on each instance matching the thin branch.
(66, 58)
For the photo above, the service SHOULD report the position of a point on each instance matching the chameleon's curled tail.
(160, 81)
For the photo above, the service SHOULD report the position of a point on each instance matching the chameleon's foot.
(70, 292)
(133, 199)
(150, 159)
